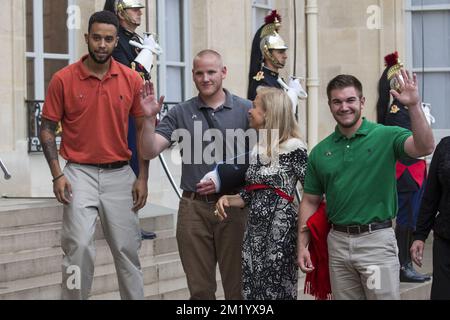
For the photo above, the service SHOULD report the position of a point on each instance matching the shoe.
(147, 235)
(425, 276)
(409, 274)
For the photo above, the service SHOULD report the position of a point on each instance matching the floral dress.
(269, 258)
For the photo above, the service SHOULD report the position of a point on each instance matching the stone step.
(44, 235)
(32, 263)
(168, 289)
(28, 212)
(164, 280)
(155, 270)
(182, 293)
(48, 235)
(15, 213)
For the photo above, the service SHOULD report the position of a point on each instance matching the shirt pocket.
(121, 104)
(78, 105)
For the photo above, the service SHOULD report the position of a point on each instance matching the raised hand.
(149, 104)
(408, 92)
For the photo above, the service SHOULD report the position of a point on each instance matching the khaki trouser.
(364, 266)
(204, 241)
(105, 193)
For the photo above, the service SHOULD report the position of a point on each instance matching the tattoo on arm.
(48, 140)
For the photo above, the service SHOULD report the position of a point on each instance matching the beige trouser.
(204, 241)
(105, 193)
(364, 266)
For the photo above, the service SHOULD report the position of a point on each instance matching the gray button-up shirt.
(186, 121)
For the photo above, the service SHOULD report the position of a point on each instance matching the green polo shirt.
(357, 175)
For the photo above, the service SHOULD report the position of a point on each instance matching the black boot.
(407, 271)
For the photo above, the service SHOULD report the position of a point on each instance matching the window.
(49, 43)
(174, 80)
(261, 8)
(428, 26)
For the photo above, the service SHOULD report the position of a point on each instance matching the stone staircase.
(31, 256)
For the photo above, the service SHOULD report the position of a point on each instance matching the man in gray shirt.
(203, 241)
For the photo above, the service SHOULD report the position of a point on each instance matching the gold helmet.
(121, 5)
(395, 65)
(270, 39)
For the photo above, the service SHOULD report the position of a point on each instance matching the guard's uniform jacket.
(265, 77)
(125, 53)
(409, 179)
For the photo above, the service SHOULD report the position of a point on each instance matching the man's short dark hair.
(103, 17)
(344, 81)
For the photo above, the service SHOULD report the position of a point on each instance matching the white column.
(312, 82)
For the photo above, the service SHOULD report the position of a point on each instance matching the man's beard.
(92, 55)
(349, 125)
(357, 116)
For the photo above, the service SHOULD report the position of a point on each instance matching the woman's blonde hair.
(279, 116)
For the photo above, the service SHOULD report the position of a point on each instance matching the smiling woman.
(268, 254)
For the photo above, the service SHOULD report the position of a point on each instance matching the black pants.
(440, 289)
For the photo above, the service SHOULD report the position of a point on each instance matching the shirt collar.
(227, 104)
(363, 130)
(84, 73)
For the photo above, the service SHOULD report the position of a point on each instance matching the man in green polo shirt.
(354, 168)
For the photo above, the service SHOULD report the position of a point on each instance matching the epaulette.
(259, 76)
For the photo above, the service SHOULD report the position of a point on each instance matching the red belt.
(279, 192)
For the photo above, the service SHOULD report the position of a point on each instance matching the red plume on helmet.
(391, 59)
(272, 17)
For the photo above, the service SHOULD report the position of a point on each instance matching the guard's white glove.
(148, 43)
(294, 84)
(426, 107)
(148, 48)
(294, 90)
(214, 177)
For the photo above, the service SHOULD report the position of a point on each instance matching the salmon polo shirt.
(94, 113)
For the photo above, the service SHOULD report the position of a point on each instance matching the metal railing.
(34, 110)
(34, 113)
(6, 173)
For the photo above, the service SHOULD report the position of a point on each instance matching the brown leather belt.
(112, 165)
(210, 198)
(361, 228)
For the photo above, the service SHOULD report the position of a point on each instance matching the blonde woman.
(278, 163)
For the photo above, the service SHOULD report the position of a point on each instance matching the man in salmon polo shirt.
(93, 99)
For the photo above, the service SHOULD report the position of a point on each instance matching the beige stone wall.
(346, 45)
(289, 33)
(12, 92)
(224, 26)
